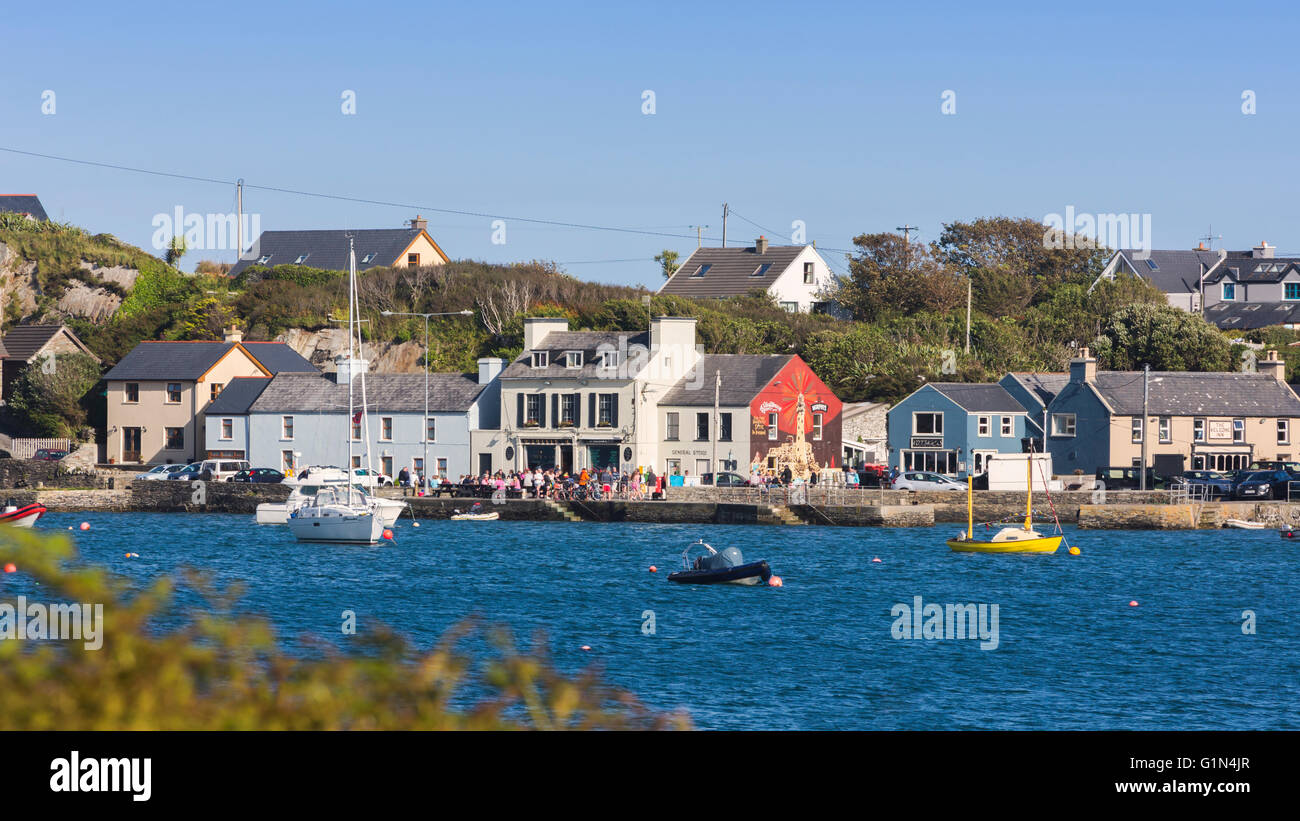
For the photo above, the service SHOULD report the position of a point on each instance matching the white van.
(219, 470)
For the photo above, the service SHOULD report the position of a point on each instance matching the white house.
(795, 275)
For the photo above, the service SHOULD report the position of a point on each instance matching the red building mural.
(795, 422)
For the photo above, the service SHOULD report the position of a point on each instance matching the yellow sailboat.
(1008, 539)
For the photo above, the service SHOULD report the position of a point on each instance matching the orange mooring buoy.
(775, 581)
(388, 534)
(654, 569)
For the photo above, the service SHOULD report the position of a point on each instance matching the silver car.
(920, 480)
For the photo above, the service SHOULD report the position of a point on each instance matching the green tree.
(176, 250)
(53, 396)
(889, 274)
(667, 262)
(1164, 337)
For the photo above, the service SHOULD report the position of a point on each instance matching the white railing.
(26, 448)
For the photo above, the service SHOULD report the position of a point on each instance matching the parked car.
(1126, 478)
(1289, 467)
(1262, 484)
(219, 470)
(725, 479)
(48, 454)
(919, 480)
(158, 472)
(1217, 485)
(873, 476)
(192, 471)
(371, 478)
(257, 476)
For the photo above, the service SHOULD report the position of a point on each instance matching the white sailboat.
(277, 513)
(342, 514)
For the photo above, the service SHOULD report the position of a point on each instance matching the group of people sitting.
(538, 483)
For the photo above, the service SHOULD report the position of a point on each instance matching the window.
(356, 428)
(263, 259)
(533, 409)
(216, 391)
(1291, 290)
(983, 426)
(808, 273)
(1136, 423)
(1229, 291)
(605, 409)
(286, 427)
(926, 423)
(609, 359)
(227, 428)
(173, 393)
(1062, 424)
(772, 430)
(1198, 430)
(1284, 431)
(1151, 263)
(541, 359)
(442, 467)
(701, 271)
(1238, 430)
(175, 438)
(762, 269)
(671, 426)
(569, 409)
(368, 258)
(412, 259)
(1165, 430)
(301, 259)
(431, 429)
(790, 307)
(573, 359)
(131, 392)
(417, 466)
(286, 460)
(701, 427)
(724, 427)
(386, 429)
(817, 427)
(1007, 427)
(386, 465)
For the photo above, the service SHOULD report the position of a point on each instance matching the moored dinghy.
(727, 567)
(22, 516)
(475, 514)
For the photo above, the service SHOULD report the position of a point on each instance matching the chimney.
(760, 245)
(419, 223)
(490, 368)
(233, 334)
(1272, 366)
(1200, 246)
(1263, 251)
(537, 327)
(1083, 368)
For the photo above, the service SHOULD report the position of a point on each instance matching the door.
(566, 458)
(130, 444)
(484, 463)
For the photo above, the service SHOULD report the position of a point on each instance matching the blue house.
(953, 427)
(1034, 392)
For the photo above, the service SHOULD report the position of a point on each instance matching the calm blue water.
(817, 653)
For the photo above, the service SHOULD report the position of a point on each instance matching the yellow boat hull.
(1048, 544)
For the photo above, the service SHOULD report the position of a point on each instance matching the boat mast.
(970, 507)
(1029, 489)
(355, 298)
(351, 359)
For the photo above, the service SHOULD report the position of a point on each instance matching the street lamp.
(465, 312)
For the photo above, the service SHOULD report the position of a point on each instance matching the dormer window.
(541, 359)
(301, 259)
(702, 270)
(1229, 291)
(573, 359)
(609, 359)
(761, 270)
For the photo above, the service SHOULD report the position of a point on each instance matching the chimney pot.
(419, 223)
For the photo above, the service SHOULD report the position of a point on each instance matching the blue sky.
(829, 113)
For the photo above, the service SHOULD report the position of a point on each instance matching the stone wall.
(27, 473)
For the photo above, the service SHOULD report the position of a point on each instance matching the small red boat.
(24, 516)
(1290, 533)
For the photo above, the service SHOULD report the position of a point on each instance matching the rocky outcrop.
(320, 348)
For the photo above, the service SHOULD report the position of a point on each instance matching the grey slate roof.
(1044, 386)
(743, 376)
(1177, 393)
(1247, 315)
(1175, 272)
(238, 395)
(1245, 268)
(557, 343)
(25, 341)
(23, 204)
(328, 250)
(730, 271)
(190, 360)
(979, 397)
(385, 393)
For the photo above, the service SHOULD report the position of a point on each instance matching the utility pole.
(699, 240)
(907, 250)
(968, 291)
(726, 210)
(239, 219)
(1146, 398)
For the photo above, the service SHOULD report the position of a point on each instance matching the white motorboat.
(338, 515)
(1243, 524)
(277, 513)
(475, 514)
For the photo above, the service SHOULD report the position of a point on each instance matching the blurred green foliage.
(224, 671)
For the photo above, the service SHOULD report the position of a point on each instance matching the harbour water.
(818, 653)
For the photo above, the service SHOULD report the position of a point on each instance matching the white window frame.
(817, 427)
(227, 424)
(1137, 427)
(541, 359)
(1165, 429)
(1008, 427)
(938, 415)
(672, 426)
(984, 426)
(1063, 426)
(773, 427)
(1224, 292)
(1238, 431)
(386, 421)
(1198, 429)
(286, 428)
(430, 429)
(573, 359)
(1284, 431)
